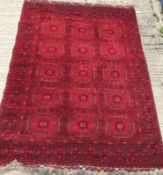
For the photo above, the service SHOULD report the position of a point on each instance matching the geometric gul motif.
(49, 72)
(83, 97)
(82, 50)
(117, 99)
(54, 28)
(112, 50)
(110, 30)
(83, 74)
(115, 74)
(44, 124)
(82, 30)
(119, 127)
(83, 125)
(47, 97)
(52, 48)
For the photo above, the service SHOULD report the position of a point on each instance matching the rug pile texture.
(78, 92)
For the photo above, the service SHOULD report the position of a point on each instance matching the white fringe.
(16, 168)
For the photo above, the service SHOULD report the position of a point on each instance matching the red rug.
(78, 90)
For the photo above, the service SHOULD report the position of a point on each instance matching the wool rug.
(78, 92)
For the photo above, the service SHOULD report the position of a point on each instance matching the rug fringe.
(16, 168)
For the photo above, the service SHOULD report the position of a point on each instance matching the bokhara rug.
(78, 90)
